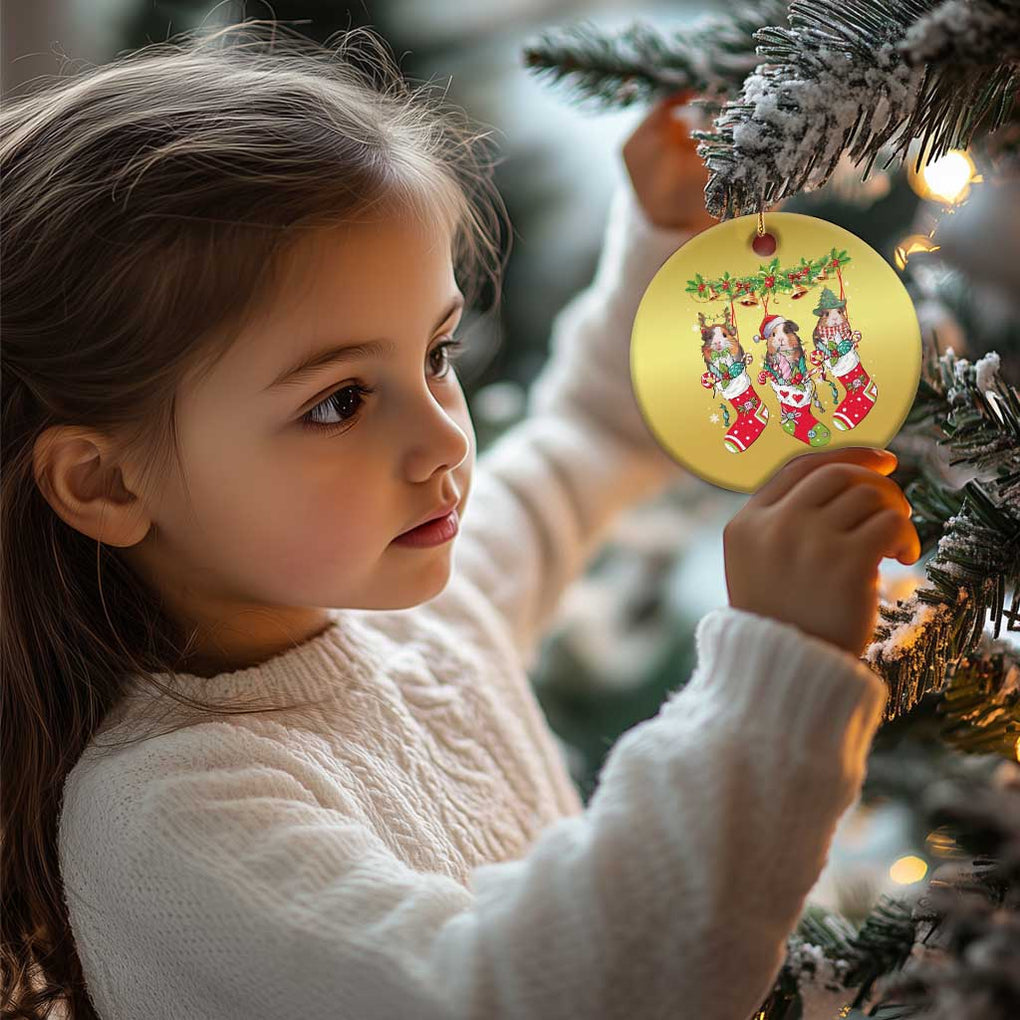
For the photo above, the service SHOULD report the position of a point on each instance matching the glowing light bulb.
(912, 245)
(908, 870)
(946, 179)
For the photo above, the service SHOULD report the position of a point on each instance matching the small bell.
(749, 299)
(798, 291)
(713, 294)
(822, 274)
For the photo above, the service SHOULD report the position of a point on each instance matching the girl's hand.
(805, 548)
(665, 170)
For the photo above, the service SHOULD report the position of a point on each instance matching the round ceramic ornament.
(763, 338)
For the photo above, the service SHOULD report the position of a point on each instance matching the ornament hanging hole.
(765, 244)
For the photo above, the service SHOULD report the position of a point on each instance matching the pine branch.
(920, 641)
(977, 713)
(932, 281)
(960, 31)
(638, 64)
(955, 947)
(848, 76)
(826, 952)
(980, 708)
(969, 922)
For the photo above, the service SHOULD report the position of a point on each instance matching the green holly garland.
(770, 279)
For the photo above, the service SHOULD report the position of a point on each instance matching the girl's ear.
(78, 473)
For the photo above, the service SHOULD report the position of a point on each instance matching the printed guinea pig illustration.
(725, 363)
(837, 344)
(786, 370)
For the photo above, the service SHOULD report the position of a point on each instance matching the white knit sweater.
(415, 848)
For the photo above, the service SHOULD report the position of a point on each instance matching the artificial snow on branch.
(847, 76)
(920, 641)
(857, 79)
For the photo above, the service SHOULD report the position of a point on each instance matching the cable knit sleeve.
(223, 888)
(546, 491)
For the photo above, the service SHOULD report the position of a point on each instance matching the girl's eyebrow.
(296, 374)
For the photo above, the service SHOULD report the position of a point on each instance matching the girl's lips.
(436, 532)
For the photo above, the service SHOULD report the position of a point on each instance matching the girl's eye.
(448, 350)
(346, 402)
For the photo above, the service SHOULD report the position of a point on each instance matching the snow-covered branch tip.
(846, 76)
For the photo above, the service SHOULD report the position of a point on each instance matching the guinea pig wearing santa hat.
(783, 348)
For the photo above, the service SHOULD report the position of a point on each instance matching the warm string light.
(912, 245)
(900, 586)
(908, 870)
(945, 181)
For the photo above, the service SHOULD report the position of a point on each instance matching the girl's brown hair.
(147, 206)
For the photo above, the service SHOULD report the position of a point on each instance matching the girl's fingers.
(823, 490)
(794, 470)
(855, 505)
(888, 533)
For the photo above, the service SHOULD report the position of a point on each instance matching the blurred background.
(624, 635)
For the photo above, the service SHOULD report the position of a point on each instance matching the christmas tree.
(803, 96)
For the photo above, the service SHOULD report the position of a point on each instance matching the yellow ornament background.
(666, 362)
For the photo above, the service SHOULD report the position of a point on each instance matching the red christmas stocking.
(752, 416)
(861, 394)
(796, 417)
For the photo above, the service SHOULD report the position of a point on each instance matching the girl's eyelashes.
(347, 401)
(448, 348)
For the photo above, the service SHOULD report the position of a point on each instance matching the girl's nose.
(435, 441)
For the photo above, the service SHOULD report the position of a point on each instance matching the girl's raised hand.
(805, 548)
(665, 170)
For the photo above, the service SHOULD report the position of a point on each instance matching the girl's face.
(285, 515)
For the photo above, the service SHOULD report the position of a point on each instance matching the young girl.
(230, 284)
